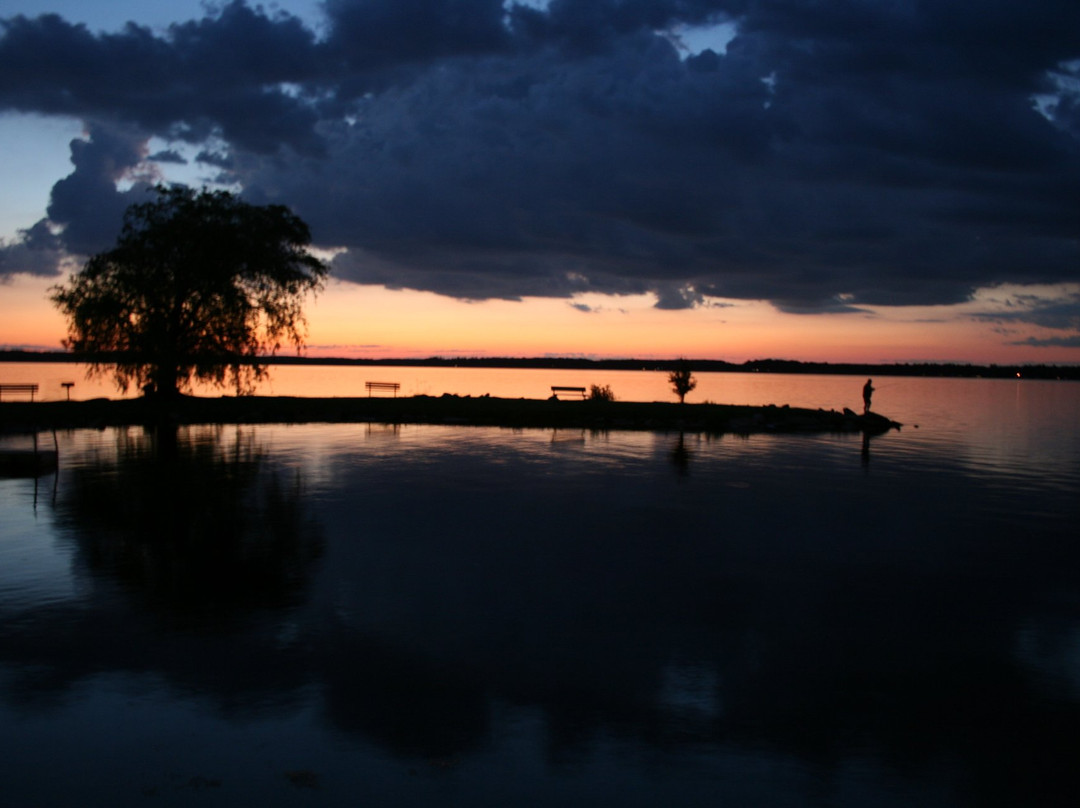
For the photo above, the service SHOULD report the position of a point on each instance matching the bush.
(682, 381)
(601, 392)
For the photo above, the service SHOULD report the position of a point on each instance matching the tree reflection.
(680, 456)
(195, 521)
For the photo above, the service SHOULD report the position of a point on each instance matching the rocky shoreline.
(446, 409)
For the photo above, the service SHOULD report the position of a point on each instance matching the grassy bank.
(465, 410)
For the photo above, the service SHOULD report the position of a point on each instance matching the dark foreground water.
(355, 615)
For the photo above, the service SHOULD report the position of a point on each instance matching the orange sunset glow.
(416, 324)
(348, 320)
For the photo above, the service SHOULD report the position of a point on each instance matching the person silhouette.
(867, 392)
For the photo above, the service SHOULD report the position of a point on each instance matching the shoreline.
(450, 410)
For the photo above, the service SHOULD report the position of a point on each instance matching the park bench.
(18, 388)
(577, 391)
(384, 387)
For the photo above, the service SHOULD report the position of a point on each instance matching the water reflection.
(813, 615)
(680, 456)
(193, 522)
(853, 635)
(181, 541)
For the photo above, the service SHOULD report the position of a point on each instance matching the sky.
(856, 181)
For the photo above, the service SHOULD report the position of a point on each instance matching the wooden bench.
(18, 388)
(382, 387)
(577, 391)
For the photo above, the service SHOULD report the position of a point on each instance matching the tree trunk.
(164, 380)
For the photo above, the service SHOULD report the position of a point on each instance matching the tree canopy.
(682, 380)
(197, 287)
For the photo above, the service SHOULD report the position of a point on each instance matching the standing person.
(867, 392)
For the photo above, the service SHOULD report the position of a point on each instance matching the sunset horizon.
(418, 325)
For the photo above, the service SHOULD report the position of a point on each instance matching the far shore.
(784, 366)
(446, 409)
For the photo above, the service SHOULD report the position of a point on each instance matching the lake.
(418, 615)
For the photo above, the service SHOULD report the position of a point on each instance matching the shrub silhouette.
(601, 392)
(682, 381)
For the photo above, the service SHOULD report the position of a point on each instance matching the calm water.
(830, 392)
(371, 615)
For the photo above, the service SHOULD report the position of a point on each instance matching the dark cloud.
(834, 156)
(224, 73)
(1051, 342)
(1060, 313)
(678, 297)
(168, 156)
(36, 251)
(219, 159)
(371, 37)
(86, 204)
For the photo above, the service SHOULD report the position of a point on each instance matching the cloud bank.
(832, 156)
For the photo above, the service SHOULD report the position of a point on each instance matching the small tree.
(197, 287)
(601, 392)
(682, 382)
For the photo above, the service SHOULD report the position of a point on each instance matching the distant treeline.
(1071, 372)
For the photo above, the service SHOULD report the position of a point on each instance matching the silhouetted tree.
(197, 286)
(682, 382)
(601, 392)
